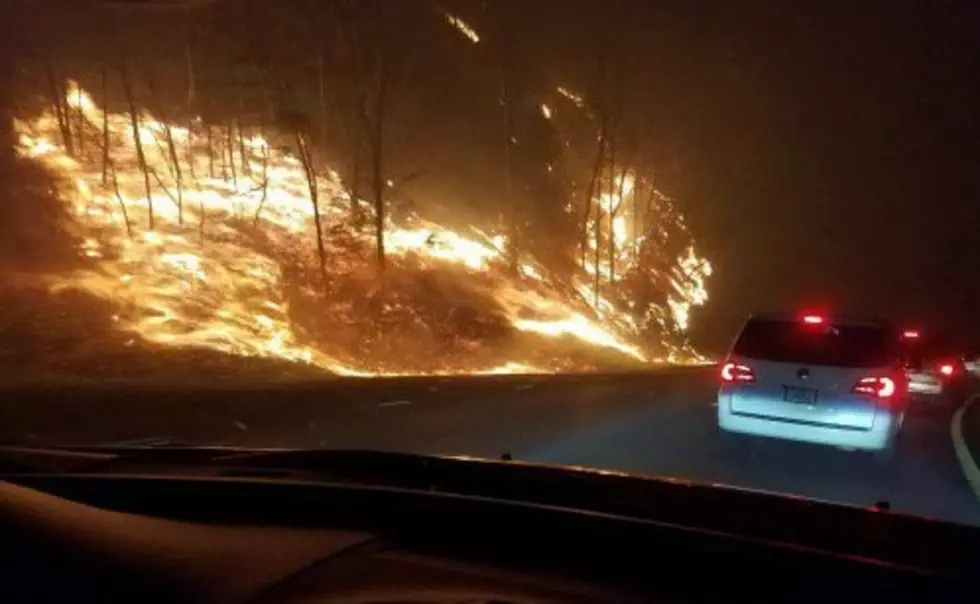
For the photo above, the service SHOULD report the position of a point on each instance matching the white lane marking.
(524, 387)
(240, 425)
(969, 465)
(394, 403)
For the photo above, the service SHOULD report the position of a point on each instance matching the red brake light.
(947, 369)
(910, 334)
(734, 372)
(881, 387)
(813, 319)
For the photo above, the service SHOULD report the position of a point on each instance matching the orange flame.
(197, 280)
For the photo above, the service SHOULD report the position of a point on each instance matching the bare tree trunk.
(613, 212)
(242, 155)
(189, 150)
(265, 185)
(80, 129)
(210, 135)
(191, 87)
(377, 159)
(352, 141)
(611, 192)
(191, 98)
(230, 143)
(220, 148)
(646, 219)
(134, 118)
(612, 247)
(601, 151)
(122, 204)
(307, 160)
(173, 164)
(593, 187)
(243, 158)
(635, 222)
(172, 148)
(357, 217)
(598, 247)
(513, 251)
(61, 112)
(105, 128)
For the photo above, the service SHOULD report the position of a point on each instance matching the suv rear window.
(796, 342)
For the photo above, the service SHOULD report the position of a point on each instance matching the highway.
(660, 423)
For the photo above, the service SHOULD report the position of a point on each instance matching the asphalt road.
(659, 423)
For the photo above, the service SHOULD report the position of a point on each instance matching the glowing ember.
(210, 273)
(576, 99)
(463, 28)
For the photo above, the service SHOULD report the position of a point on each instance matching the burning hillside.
(200, 238)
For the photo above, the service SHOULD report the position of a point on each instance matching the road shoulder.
(965, 432)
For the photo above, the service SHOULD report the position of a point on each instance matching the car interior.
(260, 535)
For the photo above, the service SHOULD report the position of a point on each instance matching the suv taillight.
(880, 387)
(947, 369)
(735, 372)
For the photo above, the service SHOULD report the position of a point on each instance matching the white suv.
(817, 379)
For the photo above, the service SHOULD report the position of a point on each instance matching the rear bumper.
(876, 438)
(925, 388)
(927, 399)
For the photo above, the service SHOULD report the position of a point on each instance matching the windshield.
(796, 342)
(523, 227)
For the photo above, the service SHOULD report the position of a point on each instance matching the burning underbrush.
(203, 252)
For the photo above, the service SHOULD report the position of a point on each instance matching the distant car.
(971, 360)
(817, 379)
(938, 376)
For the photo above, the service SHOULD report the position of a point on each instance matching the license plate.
(804, 396)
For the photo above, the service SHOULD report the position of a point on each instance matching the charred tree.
(513, 249)
(377, 164)
(378, 68)
(210, 137)
(80, 118)
(60, 109)
(140, 156)
(592, 189)
(173, 158)
(178, 177)
(230, 145)
(265, 186)
(309, 169)
(105, 128)
(122, 203)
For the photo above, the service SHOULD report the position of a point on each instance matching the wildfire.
(210, 273)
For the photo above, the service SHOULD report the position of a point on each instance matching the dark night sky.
(830, 155)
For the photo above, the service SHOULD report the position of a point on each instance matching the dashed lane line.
(394, 403)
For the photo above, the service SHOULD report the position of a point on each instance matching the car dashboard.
(254, 537)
